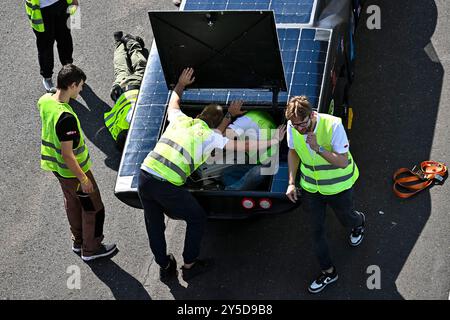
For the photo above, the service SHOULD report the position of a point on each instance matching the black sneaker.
(199, 267)
(129, 37)
(322, 281)
(104, 251)
(76, 247)
(118, 36)
(170, 271)
(357, 234)
(116, 92)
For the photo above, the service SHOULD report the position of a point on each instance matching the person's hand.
(87, 186)
(281, 131)
(235, 108)
(291, 193)
(311, 139)
(186, 78)
(75, 2)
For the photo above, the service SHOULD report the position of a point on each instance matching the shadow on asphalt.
(395, 97)
(91, 119)
(122, 285)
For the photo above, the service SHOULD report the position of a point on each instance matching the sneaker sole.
(357, 243)
(319, 290)
(90, 258)
(77, 251)
(362, 237)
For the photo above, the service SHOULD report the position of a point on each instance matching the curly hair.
(298, 107)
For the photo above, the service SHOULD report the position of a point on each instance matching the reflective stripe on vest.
(266, 124)
(179, 152)
(51, 155)
(317, 174)
(34, 14)
(116, 119)
(76, 151)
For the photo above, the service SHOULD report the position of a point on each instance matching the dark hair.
(212, 114)
(68, 75)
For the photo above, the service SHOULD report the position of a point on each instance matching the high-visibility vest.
(35, 15)
(316, 173)
(178, 152)
(51, 157)
(266, 124)
(116, 119)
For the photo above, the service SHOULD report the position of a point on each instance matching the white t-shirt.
(246, 125)
(46, 3)
(216, 140)
(339, 141)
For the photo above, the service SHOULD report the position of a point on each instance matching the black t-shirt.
(67, 129)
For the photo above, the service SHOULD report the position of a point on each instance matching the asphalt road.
(402, 110)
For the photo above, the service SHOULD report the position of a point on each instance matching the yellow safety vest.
(51, 157)
(35, 15)
(266, 124)
(317, 174)
(116, 119)
(178, 152)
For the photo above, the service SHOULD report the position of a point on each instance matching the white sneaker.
(357, 234)
(48, 85)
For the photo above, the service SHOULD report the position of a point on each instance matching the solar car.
(261, 52)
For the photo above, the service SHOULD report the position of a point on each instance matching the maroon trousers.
(86, 225)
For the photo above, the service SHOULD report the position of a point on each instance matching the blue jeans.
(315, 205)
(162, 197)
(242, 177)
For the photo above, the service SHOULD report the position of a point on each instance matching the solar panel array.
(286, 11)
(299, 49)
(303, 51)
(147, 119)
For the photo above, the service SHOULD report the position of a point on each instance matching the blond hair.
(298, 107)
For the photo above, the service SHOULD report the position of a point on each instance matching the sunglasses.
(302, 124)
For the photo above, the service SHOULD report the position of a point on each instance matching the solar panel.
(147, 118)
(286, 11)
(299, 48)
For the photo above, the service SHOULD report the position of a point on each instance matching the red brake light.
(265, 203)
(248, 203)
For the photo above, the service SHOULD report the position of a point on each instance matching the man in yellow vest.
(319, 145)
(254, 124)
(48, 18)
(184, 146)
(65, 154)
(129, 68)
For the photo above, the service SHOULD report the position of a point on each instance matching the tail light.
(248, 203)
(265, 203)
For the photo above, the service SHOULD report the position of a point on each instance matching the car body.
(316, 47)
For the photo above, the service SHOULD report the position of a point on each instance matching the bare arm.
(293, 163)
(72, 164)
(234, 110)
(337, 159)
(186, 78)
(250, 145)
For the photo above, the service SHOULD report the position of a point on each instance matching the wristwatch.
(228, 116)
(321, 149)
